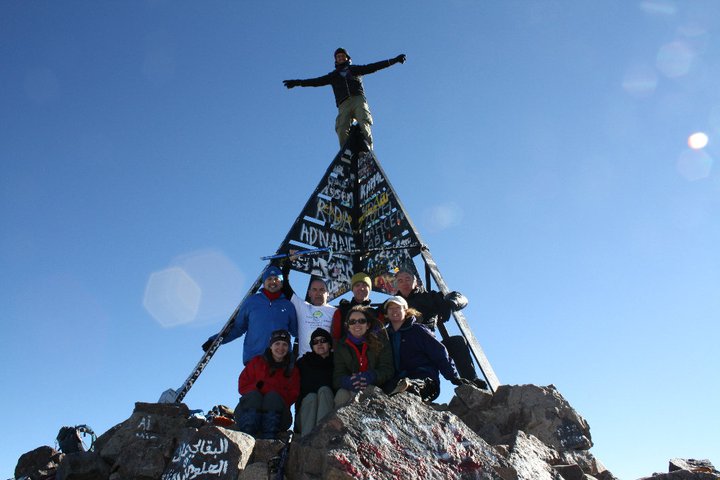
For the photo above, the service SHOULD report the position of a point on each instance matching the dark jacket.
(380, 363)
(338, 330)
(315, 372)
(418, 354)
(345, 79)
(432, 306)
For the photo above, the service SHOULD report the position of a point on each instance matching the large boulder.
(83, 466)
(141, 446)
(38, 464)
(539, 411)
(210, 453)
(381, 437)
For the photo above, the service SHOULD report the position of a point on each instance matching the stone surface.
(255, 471)
(38, 464)
(538, 411)
(83, 466)
(692, 465)
(210, 453)
(142, 445)
(531, 459)
(382, 437)
(682, 475)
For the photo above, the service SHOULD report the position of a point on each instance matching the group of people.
(340, 350)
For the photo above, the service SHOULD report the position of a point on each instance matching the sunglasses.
(361, 321)
(319, 340)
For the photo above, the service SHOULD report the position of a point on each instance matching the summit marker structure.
(354, 222)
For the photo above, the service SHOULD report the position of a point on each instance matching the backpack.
(70, 439)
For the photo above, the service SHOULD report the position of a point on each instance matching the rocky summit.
(523, 432)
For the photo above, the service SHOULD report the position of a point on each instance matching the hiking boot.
(248, 421)
(402, 385)
(269, 425)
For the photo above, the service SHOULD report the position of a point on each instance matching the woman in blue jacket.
(418, 356)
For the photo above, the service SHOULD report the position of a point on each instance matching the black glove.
(456, 301)
(207, 344)
(400, 58)
(259, 384)
(291, 83)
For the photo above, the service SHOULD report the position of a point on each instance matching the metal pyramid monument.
(354, 222)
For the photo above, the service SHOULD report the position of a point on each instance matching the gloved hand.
(368, 378)
(291, 83)
(259, 384)
(456, 301)
(206, 345)
(347, 382)
(400, 58)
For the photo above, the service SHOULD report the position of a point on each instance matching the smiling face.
(357, 324)
(405, 283)
(340, 58)
(396, 314)
(361, 291)
(318, 293)
(272, 284)
(279, 349)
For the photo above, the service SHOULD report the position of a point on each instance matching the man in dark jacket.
(347, 86)
(433, 306)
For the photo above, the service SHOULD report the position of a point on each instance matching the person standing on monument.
(313, 312)
(261, 314)
(350, 98)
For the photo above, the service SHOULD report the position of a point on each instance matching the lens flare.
(697, 141)
(694, 165)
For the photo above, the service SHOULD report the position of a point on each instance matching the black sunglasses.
(361, 321)
(319, 340)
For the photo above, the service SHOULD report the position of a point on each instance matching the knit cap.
(320, 332)
(280, 336)
(361, 277)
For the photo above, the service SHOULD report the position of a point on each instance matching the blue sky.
(150, 155)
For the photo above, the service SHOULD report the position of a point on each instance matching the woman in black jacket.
(316, 375)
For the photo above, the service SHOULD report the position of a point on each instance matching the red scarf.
(362, 356)
(272, 296)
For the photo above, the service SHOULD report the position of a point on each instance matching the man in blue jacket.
(260, 315)
(347, 86)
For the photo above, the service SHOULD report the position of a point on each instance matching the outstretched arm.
(310, 82)
(374, 67)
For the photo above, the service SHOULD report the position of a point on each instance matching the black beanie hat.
(320, 332)
(341, 50)
(280, 336)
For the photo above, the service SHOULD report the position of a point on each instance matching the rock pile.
(520, 433)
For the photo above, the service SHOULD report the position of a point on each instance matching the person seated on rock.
(316, 378)
(363, 357)
(418, 356)
(269, 384)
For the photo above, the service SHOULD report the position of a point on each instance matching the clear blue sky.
(540, 147)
